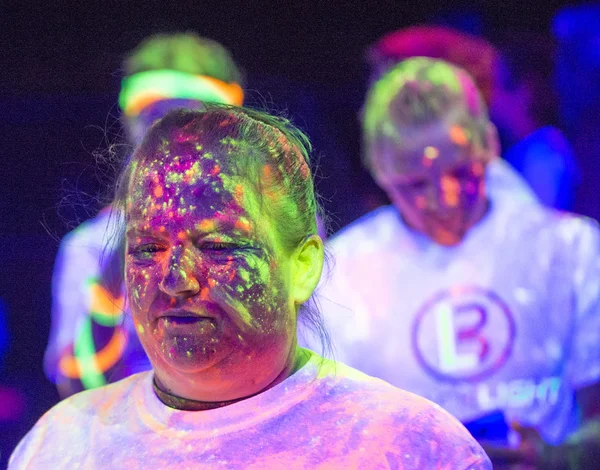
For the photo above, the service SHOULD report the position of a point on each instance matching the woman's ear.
(308, 266)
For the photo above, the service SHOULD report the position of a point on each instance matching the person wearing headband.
(467, 294)
(217, 210)
(92, 342)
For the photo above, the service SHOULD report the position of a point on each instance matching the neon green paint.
(85, 352)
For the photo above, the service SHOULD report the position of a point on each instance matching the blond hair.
(417, 93)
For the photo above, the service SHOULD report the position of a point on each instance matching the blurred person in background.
(471, 294)
(576, 30)
(524, 108)
(91, 341)
(516, 84)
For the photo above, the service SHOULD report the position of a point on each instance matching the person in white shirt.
(470, 294)
(218, 211)
(91, 341)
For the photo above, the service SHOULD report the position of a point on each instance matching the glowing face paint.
(207, 277)
(431, 153)
(459, 135)
(437, 183)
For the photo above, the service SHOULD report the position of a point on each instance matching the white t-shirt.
(326, 415)
(77, 268)
(509, 320)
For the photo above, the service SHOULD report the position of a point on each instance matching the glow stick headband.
(142, 89)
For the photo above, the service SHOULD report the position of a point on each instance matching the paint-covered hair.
(471, 53)
(267, 150)
(184, 52)
(417, 93)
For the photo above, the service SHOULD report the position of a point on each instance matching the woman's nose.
(449, 191)
(445, 194)
(434, 198)
(180, 278)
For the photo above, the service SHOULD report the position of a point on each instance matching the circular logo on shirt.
(463, 334)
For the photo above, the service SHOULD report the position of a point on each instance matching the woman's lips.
(185, 320)
(185, 314)
(187, 326)
(188, 321)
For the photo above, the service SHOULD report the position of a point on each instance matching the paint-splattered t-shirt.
(508, 321)
(326, 415)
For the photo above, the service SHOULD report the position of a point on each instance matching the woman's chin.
(446, 237)
(189, 359)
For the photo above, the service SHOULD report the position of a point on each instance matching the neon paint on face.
(436, 181)
(207, 278)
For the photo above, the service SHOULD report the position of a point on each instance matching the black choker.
(186, 404)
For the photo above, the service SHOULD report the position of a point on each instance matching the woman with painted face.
(222, 254)
(469, 294)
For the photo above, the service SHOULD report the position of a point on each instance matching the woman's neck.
(298, 358)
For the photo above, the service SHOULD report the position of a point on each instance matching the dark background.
(59, 79)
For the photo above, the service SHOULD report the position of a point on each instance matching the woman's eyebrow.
(141, 232)
(222, 223)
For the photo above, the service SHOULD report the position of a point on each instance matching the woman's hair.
(184, 52)
(269, 151)
(471, 53)
(416, 93)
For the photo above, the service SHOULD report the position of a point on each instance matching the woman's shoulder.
(103, 399)
(402, 419)
(347, 383)
(374, 390)
(565, 231)
(72, 419)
